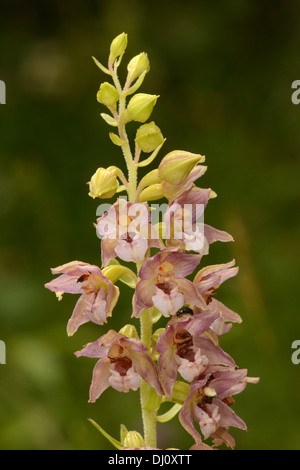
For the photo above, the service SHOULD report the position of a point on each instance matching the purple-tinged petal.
(108, 246)
(65, 283)
(191, 295)
(96, 307)
(225, 312)
(214, 235)
(149, 267)
(145, 367)
(186, 419)
(228, 416)
(215, 354)
(79, 315)
(75, 268)
(168, 369)
(134, 251)
(200, 323)
(184, 264)
(100, 380)
(142, 299)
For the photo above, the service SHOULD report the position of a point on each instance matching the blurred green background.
(223, 71)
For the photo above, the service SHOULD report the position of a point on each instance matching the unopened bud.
(103, 184)
(107, 95)
(137, 66)
(117, 47)
(140, 107)
(149, 137)
(152, 193)
(133, 439)
(129, 331)
(176, 166)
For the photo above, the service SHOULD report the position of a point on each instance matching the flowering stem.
(149, 415)
(131, 165)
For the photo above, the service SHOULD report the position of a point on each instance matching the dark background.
(223, 71)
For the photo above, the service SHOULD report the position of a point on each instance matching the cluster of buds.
(179, 361)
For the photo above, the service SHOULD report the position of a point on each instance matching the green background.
(223, 71)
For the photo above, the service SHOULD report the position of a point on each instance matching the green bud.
(137, 66)
(129, 331)
(149, 137)
(133, 439)
(150, 178)
(176, 166)
(140, 107)
(103, 184)
(107, 95)
(152, 193)
(117, 47)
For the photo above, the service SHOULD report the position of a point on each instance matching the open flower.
(126, 232)
(185, 228)
(207, 280)
(163, 283)
(98, 294)
(122, 363)
(184, 348)
(209, 404)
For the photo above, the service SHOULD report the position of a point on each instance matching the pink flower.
(207, 280)
(123, 362)
(163, 283)
(98, 294)
(126, 232)
(184, 227)
(209, 404)
(184, 348)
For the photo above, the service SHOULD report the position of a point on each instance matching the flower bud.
(148, 137)
(152, 193)
(140, 107)
(129, 331)
(137, 66)
(117, 47)
(133, 439)
(176, 166)
(107, 95)
(103, 184)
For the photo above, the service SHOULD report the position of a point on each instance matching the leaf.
(137, 84)
(152, 156)
(116, 139)
(101, 67)
(170, 414)
(111, 439)
(109, 119)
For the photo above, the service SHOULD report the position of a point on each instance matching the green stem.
(131, 165)
(148, 415)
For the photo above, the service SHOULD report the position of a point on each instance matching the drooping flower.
(185, 348)
(98, 294)
(126, 232)
(185, 226)
(209, 404)
(163, 284)
(122, 363)
(207, 280)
